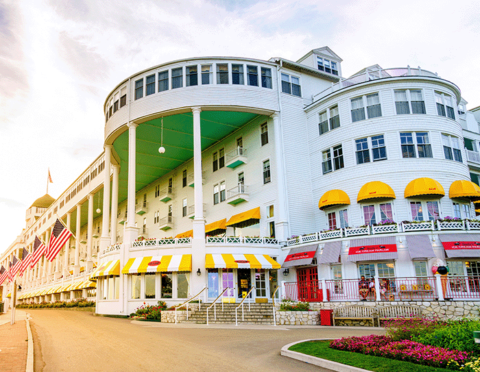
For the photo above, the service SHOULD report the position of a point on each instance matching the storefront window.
(182, 285)
(117, 287)
(111, 288)
(136, 285)
(253, 230)
(166, 285)
(212, 283)
(227, 280)
(150, 285)
(384, 270)
(420, 268)
(260, 283)
(367, 270)
(274, 283)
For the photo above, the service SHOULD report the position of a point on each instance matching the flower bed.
(149, 312)
(405, 350)
(287, 305)
(58, 304)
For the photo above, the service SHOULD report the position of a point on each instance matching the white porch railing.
(248, 295)
(205, 289)
(240, 240)
(473, 156)
(161, 242)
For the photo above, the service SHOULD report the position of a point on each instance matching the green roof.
(44, 202)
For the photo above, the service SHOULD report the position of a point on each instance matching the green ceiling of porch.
(178, 143)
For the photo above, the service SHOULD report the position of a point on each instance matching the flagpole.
(47, 180)
(14, 292)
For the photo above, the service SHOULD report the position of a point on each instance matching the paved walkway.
(73, 341)
(13, 343)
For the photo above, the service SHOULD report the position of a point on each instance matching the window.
(420, 268)
(440, 105)
(461, 210)
(215, 161)
(184, 207)
(451, 148)
(177, 78)
(404, 99)
(383, 270)
(326, 161)
(139, 89)
(379, 151)
(270, 211)
(206, 74)
(167, 286)
(266, 172)
(184, 178)
(363, 154)
(475, 178)
(115, 103)
(343, 217)
(338, 157)
(456, 210)
(469, 144)
(327, 66)
(271, 228)
(182, 285)
(136, 286)
(264, 133)
(149, 285)
(216, 195)
(241, 178)
(237, 74)
(291, 86)
(323, 125)
(157, 191)
(332, 221)
(162, 81)
(252, 75)
(374, 109)
(222, 73)
(370, 213)
(123, 97)
(266, 78)
(150, 85)
(449, 104)
(192, 76)
(221, 158)
(222, 191)
(334, 118)
(444, 100)
(329, 120)
(423, 147)
(358, 111)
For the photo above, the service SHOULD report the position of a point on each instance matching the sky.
(59, 59)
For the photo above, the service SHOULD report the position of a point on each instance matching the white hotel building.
(233, 172)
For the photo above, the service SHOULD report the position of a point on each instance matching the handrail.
(188, 301)
(274, 312)
(241, 304)
(214, 303)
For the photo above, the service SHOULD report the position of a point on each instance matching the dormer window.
(327, 66)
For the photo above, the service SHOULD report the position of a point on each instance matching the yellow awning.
(217, 226)
(106, 269)
(186, 234)
(375, 190)
(424, 186)
(245, 219)
(464, 189)
(9, 295)
(87, 284)
(240, 261)
(333, 197)
(158, 264)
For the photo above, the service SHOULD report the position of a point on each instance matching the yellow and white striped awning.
(87, 284)
(106, 269)
(158, 264)
(240, 261)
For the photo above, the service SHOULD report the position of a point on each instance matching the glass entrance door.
(213, 283)
(260, 283)
(227, 281)
(244, 282)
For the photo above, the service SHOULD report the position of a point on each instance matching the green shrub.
(408, 328)
(456, 335)
(292, 306)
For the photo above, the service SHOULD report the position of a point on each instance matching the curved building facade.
(232, 176)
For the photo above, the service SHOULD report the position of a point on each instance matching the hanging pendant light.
(98, 206)
(161, 150)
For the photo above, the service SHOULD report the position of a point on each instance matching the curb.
(328, 364)
(30, 359)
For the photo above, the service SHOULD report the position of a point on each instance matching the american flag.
(14, 267)
(26, 258)
(3, 275)
(38, 251)
(59, 237)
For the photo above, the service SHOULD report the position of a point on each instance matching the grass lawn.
(320, 349)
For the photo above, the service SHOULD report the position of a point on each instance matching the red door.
(307, 282)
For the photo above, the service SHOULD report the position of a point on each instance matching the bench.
(397, 311)
(355, 312)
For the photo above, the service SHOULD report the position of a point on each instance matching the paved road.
(79, 341)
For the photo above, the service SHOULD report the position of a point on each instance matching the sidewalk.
(13, 343)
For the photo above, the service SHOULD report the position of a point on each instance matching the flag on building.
(14, 267)
(49, 176)
(26, 258)
(59, 237)
(38, 251)
(3, 274)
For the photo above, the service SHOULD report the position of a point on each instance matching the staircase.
(258, 314)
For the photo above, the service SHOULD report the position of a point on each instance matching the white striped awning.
(461, 245)
(371, 249)
(331, 252)
(240, 261)
(158, 264)
(420, 246)
(106, 269)
(300, 256)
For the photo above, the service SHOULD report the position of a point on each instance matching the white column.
(113, 228)
(66, 249)
(105, 239)
(281, 222)
(89, 232)
(198, 243)
(131, 232)
(77, 241)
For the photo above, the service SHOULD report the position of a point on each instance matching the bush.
(292, 306)
(149, 312)
(406, 329)
(456, 334)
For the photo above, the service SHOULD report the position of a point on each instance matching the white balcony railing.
(191, 210)
(473, 156)
(166, 223)
(166, 194)
(237, 194)
(191, 179)
(240, 240)
(236, 157)
(141, 208)
(161, 242)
